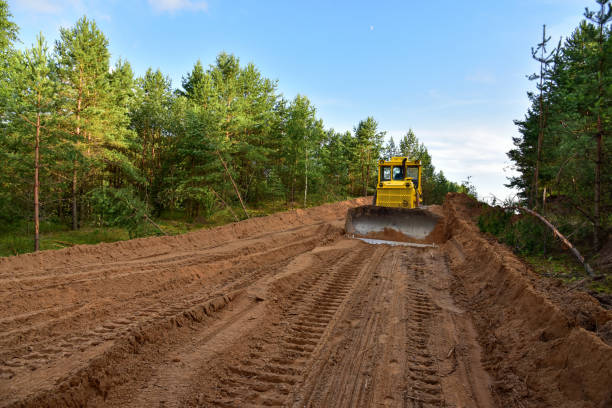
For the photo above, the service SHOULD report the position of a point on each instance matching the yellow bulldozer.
(399, 183)
(397, 205)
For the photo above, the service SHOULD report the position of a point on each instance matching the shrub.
(121, 207)
(524, 233)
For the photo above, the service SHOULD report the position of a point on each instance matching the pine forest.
(87, 145)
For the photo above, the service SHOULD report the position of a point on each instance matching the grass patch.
(85, 235)
(564, 267)
(19, 241)
(535, 243)
(18, 238)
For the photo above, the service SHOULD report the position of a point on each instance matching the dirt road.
(287, 311)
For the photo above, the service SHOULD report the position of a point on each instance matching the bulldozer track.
(266, 379)
(422, 373)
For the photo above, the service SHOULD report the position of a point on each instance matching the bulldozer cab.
(399, 183)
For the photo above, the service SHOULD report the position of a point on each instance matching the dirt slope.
(286, 311)
(543, 343)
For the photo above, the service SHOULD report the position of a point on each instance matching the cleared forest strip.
(302, 316)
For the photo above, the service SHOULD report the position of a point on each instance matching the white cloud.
(177, 5)
(467, 150)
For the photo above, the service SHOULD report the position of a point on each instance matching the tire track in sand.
(34, 346)
(342, 375)
(273, 367)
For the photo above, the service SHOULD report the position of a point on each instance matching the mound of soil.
(542, 343)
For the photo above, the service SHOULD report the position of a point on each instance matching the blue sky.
(453, 71)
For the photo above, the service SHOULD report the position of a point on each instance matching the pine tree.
(369, 146)
(390, 149)
(8, 35)
(150, 118)
(336, 160)
(574, 112)
(600, 19)
(241, 105)
(119, 143)
(301, 135)
(411, 147)
(34, 108)
(544, 59)
(8, 29)
(8, 143)
(196, 85)
(94, 113)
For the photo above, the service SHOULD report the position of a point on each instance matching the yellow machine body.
(399, 183)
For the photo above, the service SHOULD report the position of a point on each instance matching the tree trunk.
(596, 209)
(558, 234)
(363, 178)
(367, 181)
(368, 171)
(234, 184)
(305, 177)
(75, 217)
(225, 204)
(36, 184)
(597, 204)
(293, 179)
(536, 173)
(60, 201)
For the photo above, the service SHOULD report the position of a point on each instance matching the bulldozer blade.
(372, 221)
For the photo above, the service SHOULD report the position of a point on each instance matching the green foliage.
(525, 234)
(15, 244)
(571, 113)
(8, 29)
(468, 188)
(113, 207)
(494, 220)
(116, 150)
(368, 146)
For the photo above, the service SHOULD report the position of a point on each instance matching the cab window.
(398, 173)
(413, 172)
(385, 173)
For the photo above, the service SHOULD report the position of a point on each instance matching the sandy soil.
(286, 311)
